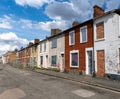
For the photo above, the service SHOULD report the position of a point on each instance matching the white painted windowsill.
(97, 40)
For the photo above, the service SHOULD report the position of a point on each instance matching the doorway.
(89, 61)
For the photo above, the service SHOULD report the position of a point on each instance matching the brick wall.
(100, 63)
(100, 30)
(97, 11)
(78, 46)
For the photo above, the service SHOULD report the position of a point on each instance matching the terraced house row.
(91, 47)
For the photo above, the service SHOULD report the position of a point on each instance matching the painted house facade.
(79, 48)
(34, 54)
(56, 51)
(107, 42)
(43, 50)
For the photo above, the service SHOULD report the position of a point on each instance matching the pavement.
(105, 83)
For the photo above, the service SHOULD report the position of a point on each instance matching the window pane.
(83, 35)
(41, 60)
(45, 46)
(71, 38)
(74, 57)
(54, 59)
(40, 48)
(54, 43)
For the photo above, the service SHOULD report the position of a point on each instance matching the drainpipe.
(93, 68)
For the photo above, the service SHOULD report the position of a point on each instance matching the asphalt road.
(22, 84)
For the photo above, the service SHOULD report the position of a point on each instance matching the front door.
(89, 62)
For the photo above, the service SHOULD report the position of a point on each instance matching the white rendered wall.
(110, 44)
(44, 54)
(57, 51)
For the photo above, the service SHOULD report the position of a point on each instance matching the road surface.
(23, 84)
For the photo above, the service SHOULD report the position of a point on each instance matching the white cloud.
(47, 26)
(112, 4)
(79, 10)
(5, 22)
(10, 41)
(33, 3)
(69, 11)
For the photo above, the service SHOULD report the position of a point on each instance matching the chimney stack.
(97, 11)
(55, 31)
(36, 41)
(75, 23)
(30, 43)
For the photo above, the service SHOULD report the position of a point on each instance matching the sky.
(21, 21)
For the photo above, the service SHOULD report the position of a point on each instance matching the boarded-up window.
(100, 30)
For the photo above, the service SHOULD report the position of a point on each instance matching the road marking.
(15, 93)
(83, 93)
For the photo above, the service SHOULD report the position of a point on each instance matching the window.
(41, 60)
(33, 49)
(54, 59)
(83, 34)
(100, 30)
(40, 48)
(74, 59)
(71, 38)
(44, 46)
(54, 43)
(119, 57)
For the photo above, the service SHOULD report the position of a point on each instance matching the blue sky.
(21, 21)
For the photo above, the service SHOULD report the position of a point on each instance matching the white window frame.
(81, 34)
(73, 37)
(74, 51)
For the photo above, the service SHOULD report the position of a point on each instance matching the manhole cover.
(83, 93)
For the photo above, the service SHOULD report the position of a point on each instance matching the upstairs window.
(83, 34)
(44, 46)
(71, 38)
(100, 30)
(40, 48)
(54, 43)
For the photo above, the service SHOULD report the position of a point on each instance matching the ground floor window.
(41, 60)
(54, 59)
(74, 58)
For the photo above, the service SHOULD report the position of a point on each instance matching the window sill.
(97, 40)
(83, 42)
(53, 47)
(71, 44)
(74, 66)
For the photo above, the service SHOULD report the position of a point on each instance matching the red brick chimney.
(97, 11)
(75, 23)
(36, 41)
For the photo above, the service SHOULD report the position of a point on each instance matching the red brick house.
(79, 48)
